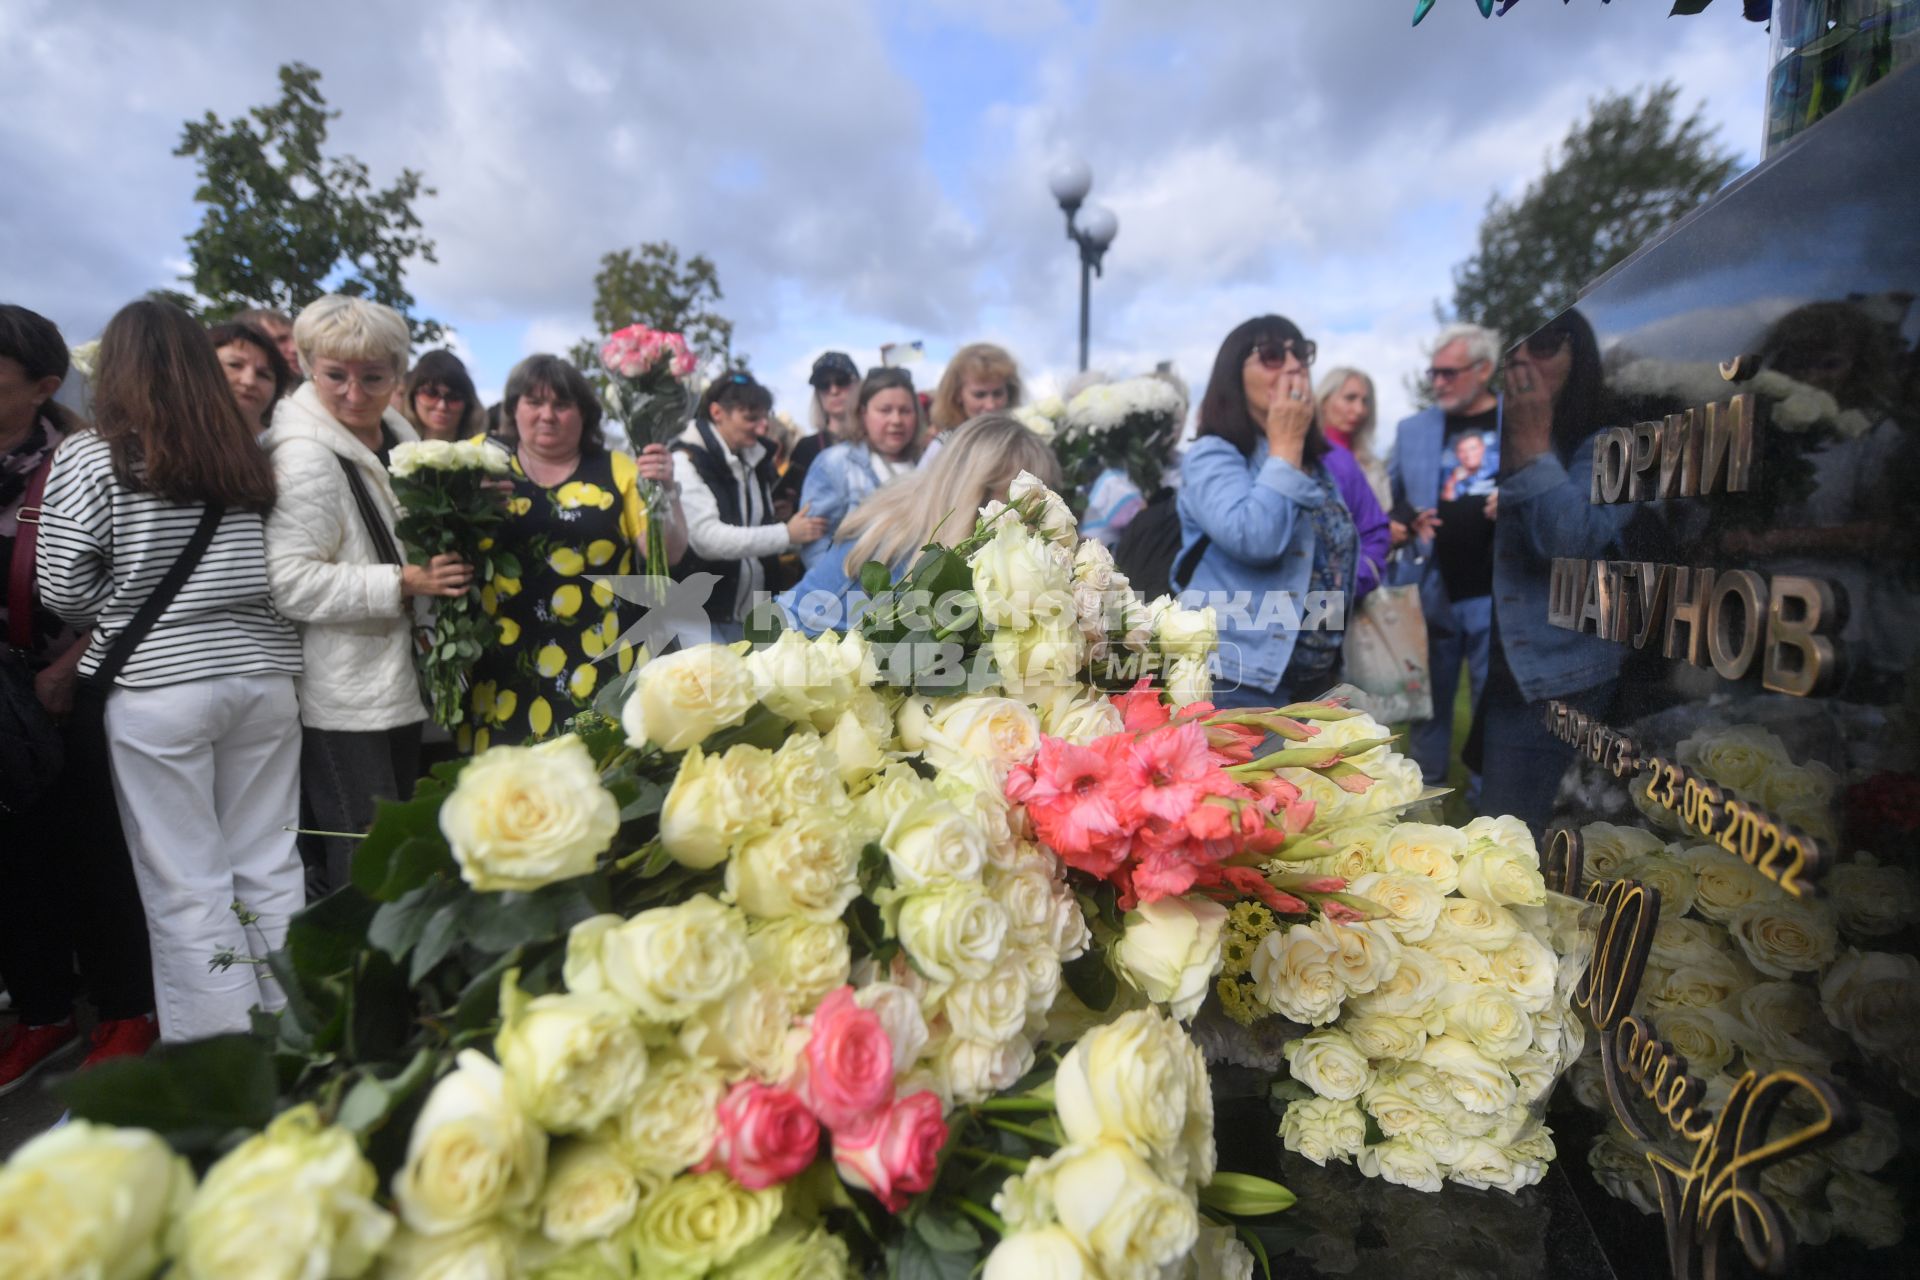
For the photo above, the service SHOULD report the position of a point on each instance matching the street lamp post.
(1093, 232)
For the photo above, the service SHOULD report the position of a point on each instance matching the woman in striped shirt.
(200, 716)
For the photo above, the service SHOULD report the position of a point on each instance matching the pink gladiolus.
(849, 1062)
(1341, 913)
(767, 1135)
(894, 1155)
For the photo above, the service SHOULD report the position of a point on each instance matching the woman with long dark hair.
(155, 521)
(1278, 529)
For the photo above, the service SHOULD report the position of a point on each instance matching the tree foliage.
(1622, 175)
(651, 285)
(285, 223)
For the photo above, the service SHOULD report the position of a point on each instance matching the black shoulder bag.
(389, 552)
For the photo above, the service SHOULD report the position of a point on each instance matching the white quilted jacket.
(327, 576)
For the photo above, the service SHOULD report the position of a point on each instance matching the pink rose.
(849, 1062)
(894, 1155)
(767, 1135)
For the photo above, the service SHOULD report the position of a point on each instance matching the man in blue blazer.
(1444, 469)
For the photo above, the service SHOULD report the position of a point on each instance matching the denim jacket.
(828, 598)
(1250, 508)
(1545, 512)
(836, 482)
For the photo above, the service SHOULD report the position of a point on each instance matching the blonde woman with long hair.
(1348, 412)
(937, 503)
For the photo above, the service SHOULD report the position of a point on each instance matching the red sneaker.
(121, 1038)
(24, 1051)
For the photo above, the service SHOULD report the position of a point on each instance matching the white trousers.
(207, 774)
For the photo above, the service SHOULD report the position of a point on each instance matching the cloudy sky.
(860, 172)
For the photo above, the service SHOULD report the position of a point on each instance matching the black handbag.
(32, 748)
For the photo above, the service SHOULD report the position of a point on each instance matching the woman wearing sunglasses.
(439, 399)
(829, 413)
(1278, 530)
(886, 429)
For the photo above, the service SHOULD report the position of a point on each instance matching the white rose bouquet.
(447, 509)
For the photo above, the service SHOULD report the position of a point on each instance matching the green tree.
(285, 223)
(651, 285)
(1623, 174)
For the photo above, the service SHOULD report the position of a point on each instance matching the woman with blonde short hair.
(337, 569)
(1348, 413)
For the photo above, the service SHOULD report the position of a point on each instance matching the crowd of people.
(207, 597)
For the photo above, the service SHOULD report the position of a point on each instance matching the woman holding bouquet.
(337, 570)
(1271, 513)
(576, 513)
(887, 420)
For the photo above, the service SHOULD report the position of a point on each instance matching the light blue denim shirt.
(1252, 509)
(836, 483)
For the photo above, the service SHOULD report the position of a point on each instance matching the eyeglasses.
(439, 395)
(374, 384)
(1273, 353)
(1548, 342)
(834, 382)
(1440, 373)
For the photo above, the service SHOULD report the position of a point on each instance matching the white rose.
(1364, 954)
(1382, 1036)
(805, 958)
(1722, 883)
(1490, 1019)
(523, 817)
(1412, 990)
(1127, 1219)
(1035, 664)
(1171, 950)
(571, 1059)
(715, 803)
(590, 1194)
(953, 932)
(808, 866)
(1463, 963)
(857, 751)
(487, 1251)
(1081, 717)
(673, 1119)
(1796, 788)
(1142, 1081)
(1704, 1037)
(1527, 970)
(749, 1029)
(1671, 878)
(1736, 757)
(1872, 901)
(1412, 903)
(697, 1223)
(1866, 1210)
(684, 698)
(1605, 848)
(997, 730)
(1786, 936)
(473, 1153)
(1189, 680)
(1323, 1129)
(1093, 565)
(973, 1070)
(1507, 831)
(1354, 850)
(1293, 974)
(1048, 1253)
(1401, 1163)
(296, 1199)
(992, 1009)
(1420, 849)
(1327, 1062)
(806, 779)
(1481, 925)
(1620, 1166)
(1020, 581)
(1780, 1023)
(811, 681)
(1219, 1255)
(899, 1012)
(1027, 896)
(666, 962)
(1187, 633)
(1400, 1097)
(1045, 509)
(1480, 1086)
(932, 844)
(1872, 1145)
(90, 1200)
(1483, 1165)
(1498, 874)
(1874, 997)
(1708, 978)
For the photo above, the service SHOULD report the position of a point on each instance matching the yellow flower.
(509, 631)
(602, 594)
(566, 561)
(585, 676)
(503, 704)
(566, 601)
(599, 551)
(539, 717)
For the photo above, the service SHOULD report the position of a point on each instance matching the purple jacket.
(1369, 521)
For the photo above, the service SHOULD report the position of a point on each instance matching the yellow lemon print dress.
(558, 627)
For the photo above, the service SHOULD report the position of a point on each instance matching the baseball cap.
(833, 366)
